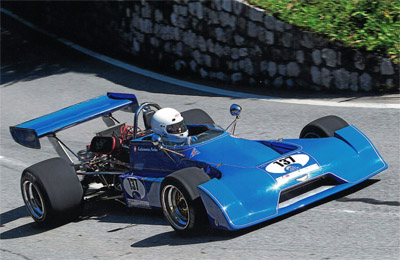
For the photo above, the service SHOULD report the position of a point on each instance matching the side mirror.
(235, 110)
(156, 139)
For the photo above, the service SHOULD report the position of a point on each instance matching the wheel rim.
(33, 200)
(311, 135)
(175, 207)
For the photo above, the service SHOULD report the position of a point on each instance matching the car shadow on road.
(114, 212)
(215, 235)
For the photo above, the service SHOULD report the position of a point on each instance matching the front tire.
(181, 202)
(323, 127)
(51, 191)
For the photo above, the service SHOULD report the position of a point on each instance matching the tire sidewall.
(26, 175)
(191, 225)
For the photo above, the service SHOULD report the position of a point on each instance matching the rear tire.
(52, 192)
(181, 202)
(323, 127)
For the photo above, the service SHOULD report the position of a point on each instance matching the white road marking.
(347, 211)
(195, 86)
(12, 162)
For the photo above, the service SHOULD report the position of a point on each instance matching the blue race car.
(188, 166)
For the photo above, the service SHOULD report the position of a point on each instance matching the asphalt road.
(39, 76)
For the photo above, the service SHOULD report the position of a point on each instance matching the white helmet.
(168, 123)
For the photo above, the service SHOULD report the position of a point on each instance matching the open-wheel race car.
(183, 163)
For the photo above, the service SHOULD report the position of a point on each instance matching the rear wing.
(28, 133)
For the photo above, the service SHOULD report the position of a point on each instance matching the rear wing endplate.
(28, 133)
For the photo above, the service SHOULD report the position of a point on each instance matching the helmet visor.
(177, 128)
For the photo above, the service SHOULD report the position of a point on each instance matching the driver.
(169, 124)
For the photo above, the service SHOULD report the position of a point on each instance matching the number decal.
(134, 187)
(133, 184)
(285, 161)
(281, 165)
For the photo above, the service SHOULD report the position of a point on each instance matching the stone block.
(201, 43)
(135, 46)
(307, 40)
(178, 49)
(247, 66)
(269, 37)
(179, 65)
(207, 60)
(167, 47)
(263, 66)
(282, 69)
(213, 17)
(326, 77)
(227, 5)
(279, 26)
(235, 54)
(146, 11)
(196, 9)
(239, 40)
(329, 56)
(220, 34)
(237, 7)
(193, 65)
(252, 29)
(359, 61)
(272, 68)
(197, 57)
(158, 15)
(293, 69)
(365, 82)
(316, 56)
(210, 45)
(300, 56)
(269, 22)
(386, 67)
(154, 42)
(289, 83)
(256, 14)
(182, 10)
(221, 76)
(287, 39)
(176, 34)
(278, 82)
(217, 4)
(236, 77)
(243, 52)
(341, 79)
(227, 19)
(316, 75)
(203, 73)
(354, 81)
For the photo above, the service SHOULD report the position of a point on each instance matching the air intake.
(296, 193)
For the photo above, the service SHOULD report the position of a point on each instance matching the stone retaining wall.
(227, 41)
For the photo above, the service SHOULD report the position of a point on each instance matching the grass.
(373, 25)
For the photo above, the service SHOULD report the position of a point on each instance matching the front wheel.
(323, 127)
(180, 201)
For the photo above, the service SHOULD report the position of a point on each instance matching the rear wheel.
(181, 202)
(51, 191)
(323, 127)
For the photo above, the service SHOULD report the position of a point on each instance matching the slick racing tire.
(181, 202)
(323, 127)
(52, 192)
(196, 117)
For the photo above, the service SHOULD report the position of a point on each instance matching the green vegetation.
(370, 24)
